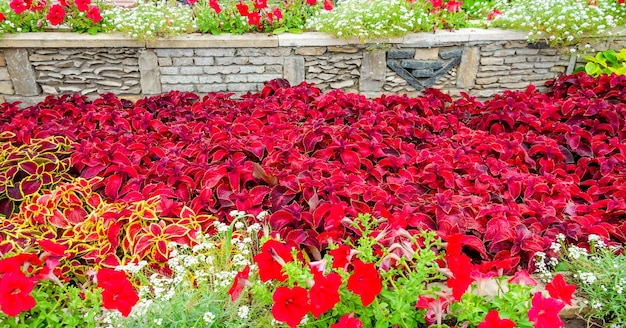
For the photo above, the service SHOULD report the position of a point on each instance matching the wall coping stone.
(257, 40)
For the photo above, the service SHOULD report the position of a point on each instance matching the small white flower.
(243, 312)
(209, 317)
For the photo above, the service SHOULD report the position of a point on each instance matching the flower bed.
(113, 182)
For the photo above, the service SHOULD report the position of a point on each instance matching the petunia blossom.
(20, 6)
(324, 293)
(241, 279)
(215, 5)
(348, 321)
(82, 5)
(544, 312)
(365, 282)
(561, 290)
(290, 305)
(493, 320)
(341, 256)
(118, 292)
(271, 259)
(243, 9)
(94, 14)
(56, 15)
(15, 289)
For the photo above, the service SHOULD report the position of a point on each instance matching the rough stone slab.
(449, 54)
(436, 39)
(293, 70)
(343, 49)
(494, 34)
(21, 72)
(68, 40)
(244, 87)
(251, 69)
(423, 72)
(373, 71)
(4, 74)
(421, 64)
(311, 51)
(313, 39)
(6, 88)
(204, 61)
(2, 62)
(466, 74)
(510, 79)
(401, 53)
(489, 61)
(212, 87)
(150, 75)
(426, 54)
(197, 40)
(263, 77)
(342, 84)
(2, 101)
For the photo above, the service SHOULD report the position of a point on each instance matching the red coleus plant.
(510, 173)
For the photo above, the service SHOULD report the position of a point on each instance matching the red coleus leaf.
(559, 289)
(271, 259)
(544, 312)
(493, 320)
(324, 293)
(290, 305)
(365, 281)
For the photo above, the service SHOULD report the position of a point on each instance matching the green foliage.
(605, 62)
(196, 293)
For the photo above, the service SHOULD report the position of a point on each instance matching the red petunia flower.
(493, 320)
(328, 5)
(254, 19)
(2, 17)
(324, 293)
(311, 2)
(290, 305)
(56, 15)
(215, 5)
(18, 263)
(277, 13)
(271, 259)
(461, 267)
(243, 9)
(544, 312)
(522, 277)
(118, 293)
(82, 5)
(239, 283)
(436, 308)
(453, 6)
(348, 321)
(559, 289)
(94, 14)
(38, 6)
(341, 256)
(20, 6)
(260, 4)
(15, 288)
(365, 282)
(495, 12)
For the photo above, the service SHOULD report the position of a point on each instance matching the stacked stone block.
(6, 87)
(333, 67)
(86, 71)
(220, 69)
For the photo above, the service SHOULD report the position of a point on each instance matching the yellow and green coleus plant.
(605, 62)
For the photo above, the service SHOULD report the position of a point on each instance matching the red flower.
(435, 307)
(52, 248)
(56, 15)
(311, 2)
(493, 14)
(365, 282)
(522, 278)
(260, 4)
(492, 320)
(20, 6)
(328, 5)
(461, 267)
(341, 256)
(324, 293)
(215, 5)
(239, 283)
(290, 305)
(453, 6)
(118, 293)
(559, 289)
(348, 321)
(17, 263)
(243, 9)
(94, 14)
(277, 13)
(38, 6)
(15, 288)
(82, 5)
(254, 19)
(271, 259)
(2, 17)
(544, 312)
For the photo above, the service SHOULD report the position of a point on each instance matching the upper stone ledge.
(197, 40)
(317, 39)
(67, 40)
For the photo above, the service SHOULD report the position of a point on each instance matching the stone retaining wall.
(478, 62)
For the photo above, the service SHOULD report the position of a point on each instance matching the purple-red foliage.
(510, 173)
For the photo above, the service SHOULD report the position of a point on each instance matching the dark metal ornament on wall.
(422, 74)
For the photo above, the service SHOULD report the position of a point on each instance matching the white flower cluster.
(559, 21)
(370, 19)
(150, 19)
